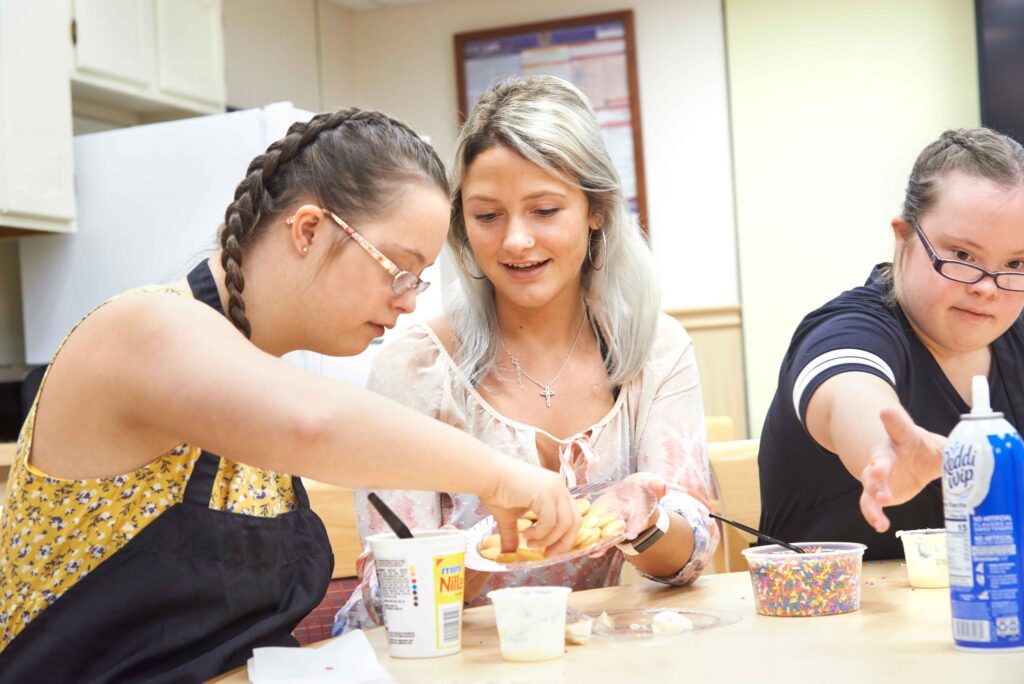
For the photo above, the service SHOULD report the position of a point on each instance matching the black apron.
(186, 599)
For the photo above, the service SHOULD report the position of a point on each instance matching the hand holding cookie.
(597, 524)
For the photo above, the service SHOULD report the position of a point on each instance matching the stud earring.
(305, 250)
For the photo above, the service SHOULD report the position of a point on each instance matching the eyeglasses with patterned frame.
(962, 272)
(403, 280)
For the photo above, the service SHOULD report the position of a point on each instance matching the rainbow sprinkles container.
(824, 580)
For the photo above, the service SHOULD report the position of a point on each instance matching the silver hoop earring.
(604, 250)
(462, 261)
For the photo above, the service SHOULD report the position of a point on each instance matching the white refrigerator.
(150, 200)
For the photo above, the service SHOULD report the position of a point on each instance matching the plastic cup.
(825, 580)
(531, 622)
(421, 585)
(927, 562)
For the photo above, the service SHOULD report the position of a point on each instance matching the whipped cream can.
(982, 479)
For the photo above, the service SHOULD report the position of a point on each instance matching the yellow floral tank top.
(54, 532)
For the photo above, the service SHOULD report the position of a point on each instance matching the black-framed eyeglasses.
(962, 272)
(403, 280)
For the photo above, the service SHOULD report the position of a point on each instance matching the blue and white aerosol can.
(982, 480)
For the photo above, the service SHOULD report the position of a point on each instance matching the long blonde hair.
(550, 123)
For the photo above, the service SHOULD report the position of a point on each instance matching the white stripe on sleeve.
(836, 357)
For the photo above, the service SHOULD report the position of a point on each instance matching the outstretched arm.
(165, 369)
(859, 417)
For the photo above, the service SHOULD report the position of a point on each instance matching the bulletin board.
(596, 53)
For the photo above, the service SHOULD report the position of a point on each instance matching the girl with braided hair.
(150, 531)
(876, 378)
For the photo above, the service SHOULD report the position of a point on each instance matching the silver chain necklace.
(546, 390)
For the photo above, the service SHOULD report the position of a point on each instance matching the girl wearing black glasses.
(150, 531)
(875, 379)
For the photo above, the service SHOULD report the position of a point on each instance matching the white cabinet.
(150, 58)
(114, 38)
(36, 167)
(190, 48)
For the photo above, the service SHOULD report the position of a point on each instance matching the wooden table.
(899, 634)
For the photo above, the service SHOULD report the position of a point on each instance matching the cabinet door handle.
(74, 32)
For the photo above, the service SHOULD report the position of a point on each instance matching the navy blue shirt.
(806, 492)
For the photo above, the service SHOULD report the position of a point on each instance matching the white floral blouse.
(655, 425)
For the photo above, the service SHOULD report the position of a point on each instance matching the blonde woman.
(553, 349)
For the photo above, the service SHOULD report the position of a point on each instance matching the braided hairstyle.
(353, 161)
(976, 152)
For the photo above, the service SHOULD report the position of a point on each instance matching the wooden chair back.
(336, 507)
(719, 428)
(734, 466)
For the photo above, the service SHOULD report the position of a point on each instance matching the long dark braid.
(352, 160)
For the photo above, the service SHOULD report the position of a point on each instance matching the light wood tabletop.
(899, 634)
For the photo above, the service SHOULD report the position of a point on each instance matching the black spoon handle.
(759, 535)
(393, 521)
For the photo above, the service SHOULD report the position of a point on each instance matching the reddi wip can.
(982, 474)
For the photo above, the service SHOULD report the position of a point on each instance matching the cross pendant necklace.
(546, 390)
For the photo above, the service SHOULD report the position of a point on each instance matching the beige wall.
(338, 62)
(830, 104)
(294, 50)
(271, 52)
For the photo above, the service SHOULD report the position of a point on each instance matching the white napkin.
(348, 658)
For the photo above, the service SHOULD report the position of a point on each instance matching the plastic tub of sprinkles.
(825, 580)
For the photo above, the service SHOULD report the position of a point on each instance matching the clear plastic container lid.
(814, 550)
(649, 624)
